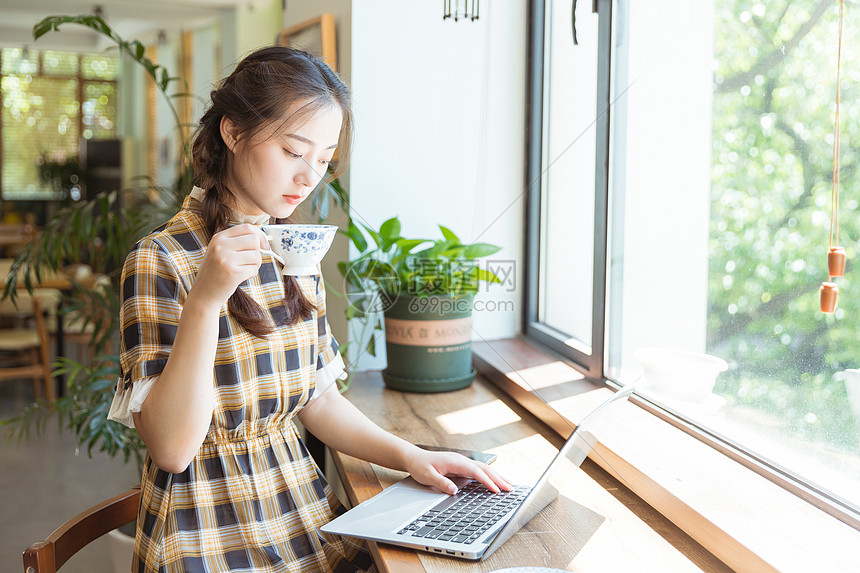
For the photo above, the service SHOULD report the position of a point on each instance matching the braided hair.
(261, 90)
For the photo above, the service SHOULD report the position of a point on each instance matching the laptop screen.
(574, 451)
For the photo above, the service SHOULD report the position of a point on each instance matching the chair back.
(23, 304)
(49, 555)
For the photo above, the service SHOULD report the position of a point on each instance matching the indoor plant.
(425, 289)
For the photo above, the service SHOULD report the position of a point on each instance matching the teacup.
(299, 248)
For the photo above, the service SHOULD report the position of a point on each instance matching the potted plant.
(425, 289)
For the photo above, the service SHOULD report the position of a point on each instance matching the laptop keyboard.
(464, 517)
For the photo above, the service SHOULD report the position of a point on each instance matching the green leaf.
(342, 267)
(485, 275)
(449, 234)
(163, 78)
(371, 345)
(139, 50)
(356, 236)
(406, 245)
(458, 252)
(478, 250)
(390, 230)
(436, 250)
(374, 235)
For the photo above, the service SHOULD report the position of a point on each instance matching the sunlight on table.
(476, 419)
(545, 375)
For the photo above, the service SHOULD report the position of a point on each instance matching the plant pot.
(121, 550)
(428, 341)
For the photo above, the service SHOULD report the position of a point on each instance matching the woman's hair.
(259, 92)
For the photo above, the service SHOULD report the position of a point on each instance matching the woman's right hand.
(233, 256)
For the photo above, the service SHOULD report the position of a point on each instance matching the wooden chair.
(75, 332)
(28, 344)
(49, 555)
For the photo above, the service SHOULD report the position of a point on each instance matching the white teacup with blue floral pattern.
(299, 248)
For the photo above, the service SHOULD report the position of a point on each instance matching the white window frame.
(592, 364)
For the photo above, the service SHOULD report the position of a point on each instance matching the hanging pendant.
(829, 292)
(836, 262)
(836, 254)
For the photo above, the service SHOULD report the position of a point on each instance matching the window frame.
(593, 365)
(81, 82)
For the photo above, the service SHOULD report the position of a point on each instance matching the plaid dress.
(252, 499)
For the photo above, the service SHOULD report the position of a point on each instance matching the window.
(565, 304)
(717, 193)
(51, 100)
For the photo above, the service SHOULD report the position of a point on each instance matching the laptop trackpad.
(388, 510)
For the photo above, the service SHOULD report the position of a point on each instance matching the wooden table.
(589, 527)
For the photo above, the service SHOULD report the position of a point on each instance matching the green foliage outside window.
(772, 157)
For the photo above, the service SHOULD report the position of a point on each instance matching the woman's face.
(274, 171)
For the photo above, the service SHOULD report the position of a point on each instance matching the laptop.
(471, 524)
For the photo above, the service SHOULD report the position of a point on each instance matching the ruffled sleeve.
(152, 299)
(127, 401)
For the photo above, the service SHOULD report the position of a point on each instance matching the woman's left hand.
(431, 468)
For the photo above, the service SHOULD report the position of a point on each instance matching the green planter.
(428, 341)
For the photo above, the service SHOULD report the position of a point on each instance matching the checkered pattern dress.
(252, 499)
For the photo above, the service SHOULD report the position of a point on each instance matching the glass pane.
(99, 109)
(20, 61)
(567, 212)
(40, 133)
(59, 63)
(722, 178)
(99, 66)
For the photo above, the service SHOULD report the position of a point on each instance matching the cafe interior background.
(442, 137)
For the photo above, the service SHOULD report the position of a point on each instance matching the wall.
(299, 11)
(257, 24)
(295, 13)
(167, 146)
(667, 134)
(132, 117)
(205, 69)
(217, 45)
(440, 139)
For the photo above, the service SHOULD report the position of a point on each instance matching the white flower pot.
(852, 386)
(679, 374)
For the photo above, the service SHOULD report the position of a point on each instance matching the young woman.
(221, 353)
